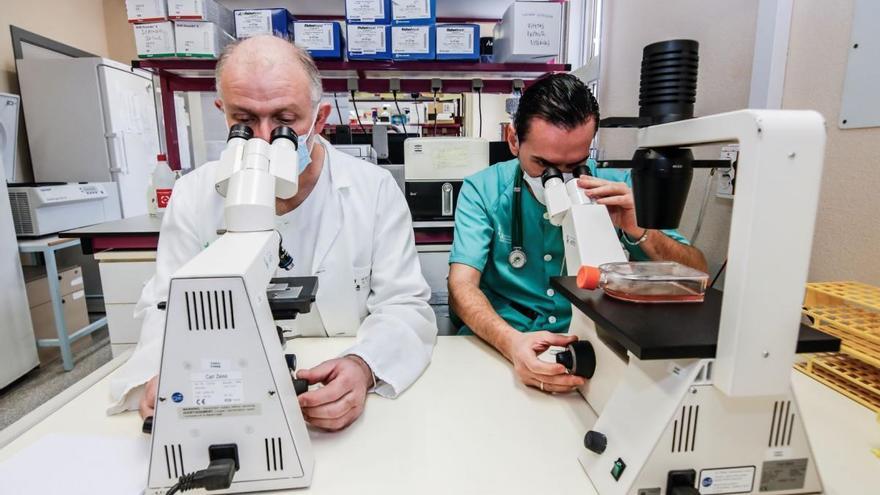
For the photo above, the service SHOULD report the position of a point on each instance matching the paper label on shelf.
(364, 10)
(78, 295)
(411, 9)
(366, 38)
(76, 281)
(455, 40)
(727, 480)
(410, 39)
(252, 23)
(214, 388)
(314, 36)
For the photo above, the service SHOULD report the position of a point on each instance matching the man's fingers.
(550, 388)
(567, 381)
(335, 424)
(331, 392)
(615, 201)
(538, 367)
(588, 182)
(318, 374)
(333, 410)
(145, 410)
(557, 339)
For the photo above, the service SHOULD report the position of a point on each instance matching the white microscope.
(697, 399)
(227, 417)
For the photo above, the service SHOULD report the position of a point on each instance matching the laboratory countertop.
(468, 426)
(138, 233)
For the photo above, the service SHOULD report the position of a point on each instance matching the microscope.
(697, 398)
(227, 416)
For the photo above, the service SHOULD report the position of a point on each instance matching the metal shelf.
(373, 77)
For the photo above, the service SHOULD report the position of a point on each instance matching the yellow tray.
(858, 329)
(854, 379)
(837, 293)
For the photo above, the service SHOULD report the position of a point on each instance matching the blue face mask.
(303, 151)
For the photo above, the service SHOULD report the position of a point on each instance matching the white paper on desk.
(78, 464)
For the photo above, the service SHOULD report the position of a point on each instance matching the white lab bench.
(468, 426)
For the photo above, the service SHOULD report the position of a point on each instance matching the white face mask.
(536, 186)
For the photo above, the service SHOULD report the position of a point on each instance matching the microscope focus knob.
(579, 358)
(300, 386)
(595, 441)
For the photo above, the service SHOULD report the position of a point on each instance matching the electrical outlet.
(727, 176)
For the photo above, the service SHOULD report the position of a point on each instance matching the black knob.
(284, 132)
(291, 361)
(579, 359)
(549, 173)
(162, 305)
(595, 441)
(300, 386)
(147, 427)
(280, 335)
(581, 170)
(240, 131)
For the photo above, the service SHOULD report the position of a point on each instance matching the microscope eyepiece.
(285, 133)
(240, 131)
(550, 173)
(581, 170)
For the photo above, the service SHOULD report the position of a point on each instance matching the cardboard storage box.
(458, 42)
(321, 39)
(76, 316)
(202, 10)
(412, 43)
(369, 42)
(368, 11)
(528, 32)
(146, 10)
(155, 39)
(199, 39)
(255, 22)
(37, 285)
(420, 12)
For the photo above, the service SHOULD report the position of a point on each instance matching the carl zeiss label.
(725, 481)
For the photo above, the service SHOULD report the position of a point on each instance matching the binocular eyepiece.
(243, 131)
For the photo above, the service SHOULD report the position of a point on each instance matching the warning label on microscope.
(727, 480)
(219, 411)
(216, 388)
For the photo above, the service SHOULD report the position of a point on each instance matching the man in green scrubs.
(514, 309)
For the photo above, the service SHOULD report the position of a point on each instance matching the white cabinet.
(123, 277)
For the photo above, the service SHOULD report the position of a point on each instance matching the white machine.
(434, 168)
(42, 209)
(18, 347)
(729, 424)
(91, 120)
(225, 391)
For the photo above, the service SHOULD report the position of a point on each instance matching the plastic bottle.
(646, 281)
(161, 185)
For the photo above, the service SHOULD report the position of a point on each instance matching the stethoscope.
(517, 256)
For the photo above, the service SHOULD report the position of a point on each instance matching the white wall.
(726, 33)
(847, 236)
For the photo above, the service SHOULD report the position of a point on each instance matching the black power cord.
(436, 113)
(480, 109)
(720, 271)
(217, 476)
(396, 104)
(338, 112)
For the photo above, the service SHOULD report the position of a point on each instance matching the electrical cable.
(702, 215)
(356, 113)
(217, 476)
(720, 270)
(436, 113)
(396, 104)
(480, 109)
(338, 112)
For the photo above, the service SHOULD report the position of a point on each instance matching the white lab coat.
(369, 279)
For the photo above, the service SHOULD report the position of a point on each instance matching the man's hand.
(147, 406)
(341, 400)
(618, 197)
(523, 350)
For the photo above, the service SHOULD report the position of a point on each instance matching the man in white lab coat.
(348, 224)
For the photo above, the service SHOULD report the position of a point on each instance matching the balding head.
(265, 82)
(266, 54)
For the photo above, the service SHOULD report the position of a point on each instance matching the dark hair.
(560, 99)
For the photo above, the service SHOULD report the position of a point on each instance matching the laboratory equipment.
(683, 421)
(9, 105)
(43, 209)
(107, 131)
(18, 349)
(645, 281)
(161, 184)
(434, 169)
(225, 388)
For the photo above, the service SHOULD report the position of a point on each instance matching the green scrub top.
(522, 297)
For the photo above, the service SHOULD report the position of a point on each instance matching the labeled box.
(412, 43)
(528, 32)
(368, 11)
(458, 42)
(154, 39)
(202, 10)
(146, 10)
(419, 12)
(323, 40)
(198, 39)
(256, 22)
(368, 42)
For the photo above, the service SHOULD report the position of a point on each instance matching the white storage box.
(154, 39)
(200, 39)
(528, 32)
